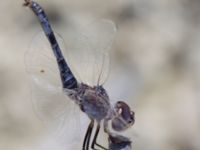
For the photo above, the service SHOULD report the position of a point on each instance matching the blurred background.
(155, 59)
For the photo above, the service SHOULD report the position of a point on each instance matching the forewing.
(49, 101)
(89, 51)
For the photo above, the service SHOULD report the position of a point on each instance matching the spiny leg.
(86, 141)
(94, 142)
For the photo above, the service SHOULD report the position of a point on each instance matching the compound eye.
(129, 117)
(119, 111)
(124, 117)
(119, 104)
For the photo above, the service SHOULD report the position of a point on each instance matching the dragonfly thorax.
(94, 101)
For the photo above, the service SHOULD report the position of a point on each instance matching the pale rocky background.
(156, 57)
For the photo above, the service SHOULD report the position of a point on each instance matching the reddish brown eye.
(124, 117)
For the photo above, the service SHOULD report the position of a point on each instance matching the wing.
(88, 53)
(49, 102)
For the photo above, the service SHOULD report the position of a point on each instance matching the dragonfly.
(90, 97)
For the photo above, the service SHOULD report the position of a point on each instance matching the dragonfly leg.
(86, 141)
(94, 142)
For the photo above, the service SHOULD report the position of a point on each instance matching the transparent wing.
(49, 101)
(89, 51)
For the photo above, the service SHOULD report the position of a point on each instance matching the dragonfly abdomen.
(67, 77)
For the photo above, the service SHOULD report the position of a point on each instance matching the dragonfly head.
(123, 118)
